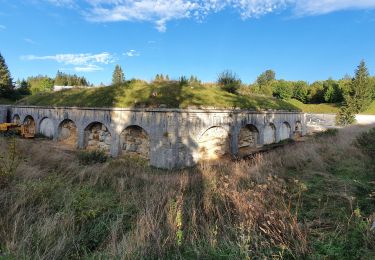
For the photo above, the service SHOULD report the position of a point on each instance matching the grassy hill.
(325, 108)
(142, 94)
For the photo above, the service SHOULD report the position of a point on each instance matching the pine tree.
(6, 88)
(118, 76)
(360, 95)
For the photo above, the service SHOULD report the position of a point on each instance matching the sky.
(298, 39)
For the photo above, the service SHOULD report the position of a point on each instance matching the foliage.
(6, 84)
(366, 142)
(183, 81)
(332, 91)
(64, 79)
(9, 163)
(40, 84)
(345, 116)
(118, 76)
(300, 91)
(282, 89)
(229, 81)
(92, 157)
(266, 78)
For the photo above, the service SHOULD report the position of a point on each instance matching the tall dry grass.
(55, 208)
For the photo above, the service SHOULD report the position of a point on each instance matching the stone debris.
(134, 140)
(98, 138)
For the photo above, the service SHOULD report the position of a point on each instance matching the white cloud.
(160, 12)
(2, 27)
(132, 53)
(28, 40)
(82, 62)
(76, 59)
(88, 68)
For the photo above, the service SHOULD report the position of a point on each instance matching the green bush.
(366, 142)
(229, 81)
(92, 157)
(345, 116)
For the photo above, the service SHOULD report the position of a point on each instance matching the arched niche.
(248, 140)
(135, 140)
(46, 127)
(97, 137)
(269, 134)
(285, 131)
(68, 133)
(213, 143)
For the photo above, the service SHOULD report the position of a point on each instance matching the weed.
(92, 157)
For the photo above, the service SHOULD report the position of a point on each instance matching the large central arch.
(135, 140)
(214, 143)
(29, 126)
(248, 140)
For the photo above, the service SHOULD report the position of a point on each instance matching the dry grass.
(55, 208)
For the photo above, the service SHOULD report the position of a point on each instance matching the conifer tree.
(118, 76)
(6, 87)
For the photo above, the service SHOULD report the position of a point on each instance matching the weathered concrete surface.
(170, 138)
(3, 114)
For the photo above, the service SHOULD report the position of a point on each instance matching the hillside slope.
(165, 94)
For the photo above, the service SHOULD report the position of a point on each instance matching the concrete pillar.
(81, 137)
(115, 145)
(278, 132)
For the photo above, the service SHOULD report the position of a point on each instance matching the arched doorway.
(97, 137)
(28, 127)
(248, 140)
(285, 131)
(67, 133)
(135, 140)
(270, 134)
(46, 127)
(214, 143)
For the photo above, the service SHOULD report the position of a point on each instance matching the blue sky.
(299, 39)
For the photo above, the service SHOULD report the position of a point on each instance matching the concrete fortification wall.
(169, 138)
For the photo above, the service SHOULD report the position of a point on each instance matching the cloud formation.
(82, 62)
(160, 12)
(131, 53)
(2, 27)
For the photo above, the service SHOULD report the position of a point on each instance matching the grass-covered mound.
(311, 200)
(166, 94)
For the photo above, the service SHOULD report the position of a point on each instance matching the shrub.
(229, 81)
(183, 81)
(92, 157)
(8, 163)
(345, 116)
(366, 142)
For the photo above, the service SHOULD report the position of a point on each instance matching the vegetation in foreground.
(305, 200)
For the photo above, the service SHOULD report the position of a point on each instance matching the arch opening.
(270, 134)
(97, 137)
(28, 127)
(134, 140)
(298, 130)
(46, 127)
(214, 143)
(248, 140)
(285, 131)
(68, 133)
(16, 119)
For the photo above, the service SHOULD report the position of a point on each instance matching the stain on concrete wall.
(97, 137)
(269, 134)
(134, 140)
(213, 144)
(46, 127)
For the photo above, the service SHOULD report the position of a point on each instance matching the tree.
(283, 89)
(360, 95)
(118, 76)
(40, 84)
(229, 81)
(266, 77)
(6, 83)
(300, 91)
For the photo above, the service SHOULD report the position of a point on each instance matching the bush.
(92, 157)
(229, 81)
(345, 116)
(366, 142)
(282, 89)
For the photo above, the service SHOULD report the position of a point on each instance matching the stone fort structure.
(168, 138)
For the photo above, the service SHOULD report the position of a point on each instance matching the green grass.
(325, 108)
(141, 94)
(4, 101)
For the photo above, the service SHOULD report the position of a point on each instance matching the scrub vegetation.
(308, 199)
